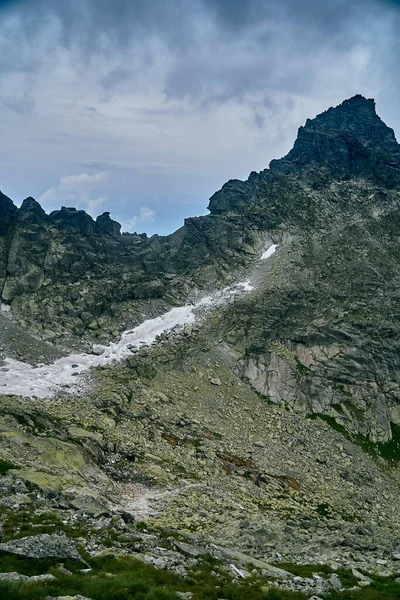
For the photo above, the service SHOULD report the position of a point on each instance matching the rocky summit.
(214, 413)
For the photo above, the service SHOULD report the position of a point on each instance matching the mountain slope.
(46, 255)
(269, 426)
(332, 204)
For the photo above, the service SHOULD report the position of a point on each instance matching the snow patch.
(269, 252)
(43, 381)
(246, 286)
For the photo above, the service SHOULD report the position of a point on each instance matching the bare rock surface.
(42, 546)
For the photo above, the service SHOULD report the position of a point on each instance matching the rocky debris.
(362, 579)
(56, 545)
(166, 558)
(311, 585)
(17, 577)
(79, 597)
(140, 434)
(335, 582)
(189, 549)
(226, 554)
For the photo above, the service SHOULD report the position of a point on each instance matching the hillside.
(220, 403)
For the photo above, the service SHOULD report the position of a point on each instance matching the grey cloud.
(217, 49)
(268, 46)
(259, 119)
(21, 104)
(133, 165)
(83, 24)
(178, 95)
(117, 76)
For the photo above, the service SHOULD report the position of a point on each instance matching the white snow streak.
(22, 379)
(269, 252)
(246, 286)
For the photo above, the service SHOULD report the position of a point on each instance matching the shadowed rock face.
(344, 142)
(107, 225)
(7, 212)
(349, 141)
(78, 265)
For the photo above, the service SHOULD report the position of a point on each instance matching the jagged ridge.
(43, 255)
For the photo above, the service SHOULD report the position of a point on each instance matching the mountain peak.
(350, 140)
(355, 114)
(7, 212)
(30, 207)
(344, 142)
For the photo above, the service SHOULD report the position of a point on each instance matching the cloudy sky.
(144, 108)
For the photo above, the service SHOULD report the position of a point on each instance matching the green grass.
(331, 422)
(24, 523)
(345, 576)
(390, 451)
(6, 466)
(126, 579)
(324, 510)
(382, 588)
(302, 369)
(29, 566)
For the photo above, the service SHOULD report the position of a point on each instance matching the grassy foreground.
(126, 579)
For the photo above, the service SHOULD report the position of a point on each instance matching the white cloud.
(129, 224)
(83, 180)
(146, 215)
(78, 190)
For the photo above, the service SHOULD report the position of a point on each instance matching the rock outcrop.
(42, 546)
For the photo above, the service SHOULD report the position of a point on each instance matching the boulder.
(44, 545)
(18, 578)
